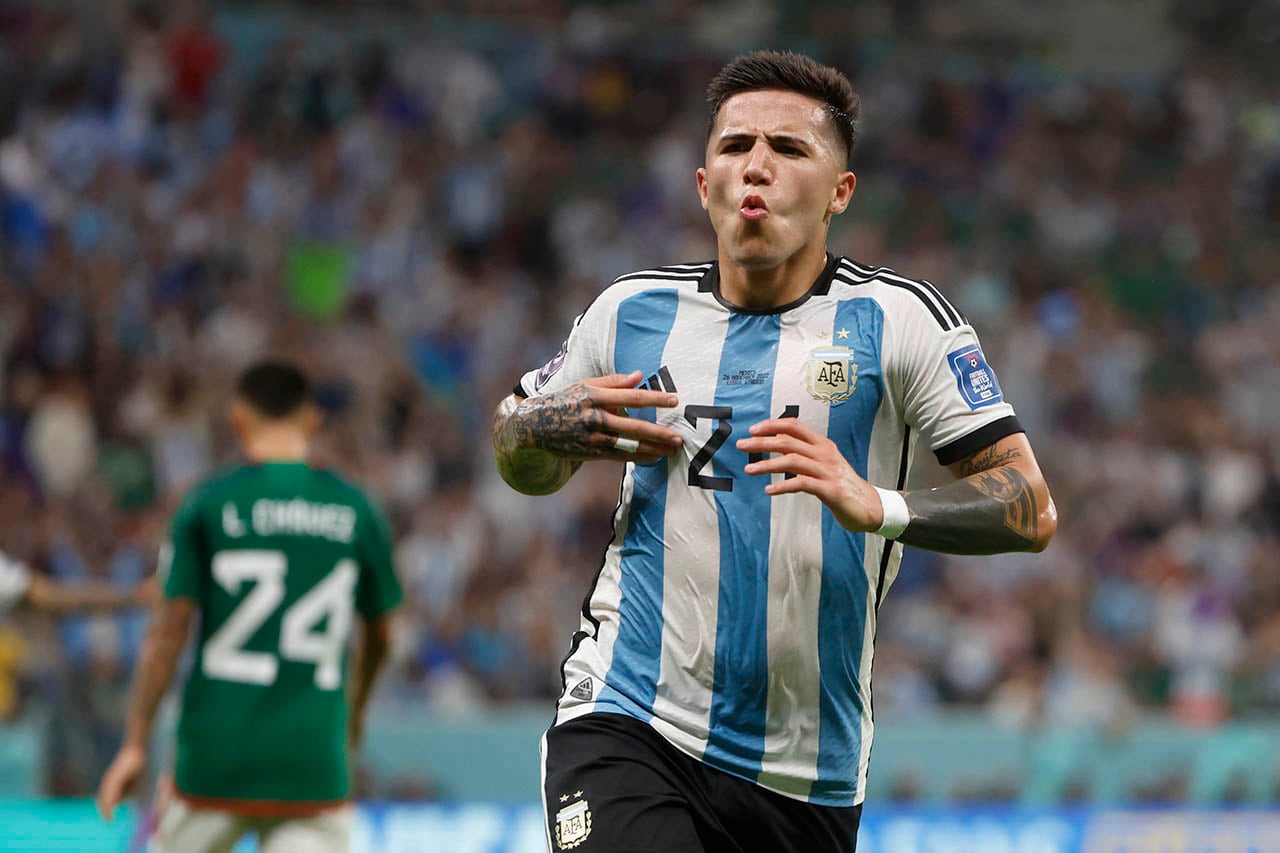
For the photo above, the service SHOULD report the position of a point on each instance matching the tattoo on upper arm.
(985, 460)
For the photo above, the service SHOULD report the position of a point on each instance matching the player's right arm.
(574, 409)
(540, 441)
(182, 569)
(166, 636)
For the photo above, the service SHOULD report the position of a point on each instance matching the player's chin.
(755, 252)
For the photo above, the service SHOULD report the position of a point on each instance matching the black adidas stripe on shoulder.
(675, 272)
(943, 311)
(954, 313)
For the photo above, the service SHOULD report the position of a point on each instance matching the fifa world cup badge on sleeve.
(977, 381)
(830, 373)
(551, 368)
(573, 823)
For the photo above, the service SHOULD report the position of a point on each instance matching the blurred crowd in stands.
(415, 201)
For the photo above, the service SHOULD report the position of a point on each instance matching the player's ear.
(241, 418)
(702, 187)
(843, 193)
(312, 418)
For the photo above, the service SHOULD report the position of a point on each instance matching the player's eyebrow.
(774, 139)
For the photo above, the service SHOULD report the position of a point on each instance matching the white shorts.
(187, 829)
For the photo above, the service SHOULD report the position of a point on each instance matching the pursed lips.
(754, 207)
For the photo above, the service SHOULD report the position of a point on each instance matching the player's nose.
(759, 166)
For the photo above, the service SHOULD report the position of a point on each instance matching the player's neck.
(760, 289)
(277, 445)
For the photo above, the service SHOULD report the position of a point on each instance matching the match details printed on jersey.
(977, 381)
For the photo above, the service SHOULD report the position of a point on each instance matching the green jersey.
(278, 556)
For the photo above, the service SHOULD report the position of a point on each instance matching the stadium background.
(415, 199)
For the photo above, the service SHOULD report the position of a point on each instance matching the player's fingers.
(774, 444)
(615, 380)
(795, 485)
(790, 463)
(108, 797)
(642, 430)
(786, 426)
(609, 446)
(633, 398)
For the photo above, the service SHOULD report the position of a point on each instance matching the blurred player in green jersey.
(275, 557)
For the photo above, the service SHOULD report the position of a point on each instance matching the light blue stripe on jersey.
(842, 604)
(643, 326)
(741, 683)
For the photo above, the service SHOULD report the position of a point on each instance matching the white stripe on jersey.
(690, 593)
(594, 653)
(793, 713)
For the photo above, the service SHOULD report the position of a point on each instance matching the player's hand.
(585, 421)
(120, 778)
(819, 467)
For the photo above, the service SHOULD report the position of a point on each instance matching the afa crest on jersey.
(573, 824)
(830, 373)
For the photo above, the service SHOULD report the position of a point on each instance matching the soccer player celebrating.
(274, 557)
(717, 695)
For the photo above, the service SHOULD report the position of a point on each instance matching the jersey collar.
(710, 283)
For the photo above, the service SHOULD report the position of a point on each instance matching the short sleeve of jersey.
(583, 355)
(181, 564)
(950, 394)
(15, 580)
(378, 590)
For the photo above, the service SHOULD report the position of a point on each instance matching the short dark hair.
(274, 389)
(790, 72)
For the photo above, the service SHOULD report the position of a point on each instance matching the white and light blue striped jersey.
(740, 625)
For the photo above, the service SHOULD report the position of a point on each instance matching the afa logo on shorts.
(977, 381)
(573, 823)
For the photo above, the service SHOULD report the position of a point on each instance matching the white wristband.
(896, 514)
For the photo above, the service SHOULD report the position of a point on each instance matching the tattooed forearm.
(991, 512)
(990, 458)
(532, 438)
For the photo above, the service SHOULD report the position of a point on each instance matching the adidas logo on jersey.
(660, 381)
(583, 690)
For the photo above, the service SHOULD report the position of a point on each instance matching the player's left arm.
(378, 594)
(373, 648)
(1000, 503)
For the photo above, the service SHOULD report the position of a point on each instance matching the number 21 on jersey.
(224, 656)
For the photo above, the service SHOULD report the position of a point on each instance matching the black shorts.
(614, 785)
